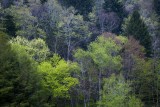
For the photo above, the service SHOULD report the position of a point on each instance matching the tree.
(116, 7)
(36, 48)
(49, 16)
(43, 1)
(76, 31)
(145, 81)
(6, 3)
(25, 24)
(131, 50)
(108, 21)
(19, 81)
(87, 78)
(9, 26)
(102, 55)
(157, 6)
(56, 77)
(115, 93)
(134, 26)
(83, 9)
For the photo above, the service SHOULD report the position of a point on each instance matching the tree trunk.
(55, 46)
(68, 50)
(99, 84)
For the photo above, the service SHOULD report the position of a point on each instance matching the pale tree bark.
(156, 57)
(99, 84)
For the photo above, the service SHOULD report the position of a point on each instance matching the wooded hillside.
(80, 53)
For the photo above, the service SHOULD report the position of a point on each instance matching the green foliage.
(135, 102)
(83, 9)
(57, 78)
(36, 48)
(75, 31)
(115, 93)
(114, 6)
(104, 52)
(24, 23)
(30, 77)
(101, 58)
(146, 74)
(10, 26)
(157, 6)
(134, 26)
(18, 75)
(43, 1)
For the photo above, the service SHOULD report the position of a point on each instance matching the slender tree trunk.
(72, 102)
(155, 57)
(102, 27)
(89, 90)
(99, 84)
(68, 50)
(55, 46)
(84, 101)
(157, 94)
(84, 83)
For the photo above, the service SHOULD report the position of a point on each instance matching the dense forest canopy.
(80, 53)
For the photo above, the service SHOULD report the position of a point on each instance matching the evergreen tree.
(43, 1)
(157, 6)
(18, 78)
(10, 25)
(82, 6)
(7, 62)
(134, 26)
(114, 6)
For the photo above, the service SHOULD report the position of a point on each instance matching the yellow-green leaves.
(104, 52)
(115, 93)
(36, 48)
(57, 77)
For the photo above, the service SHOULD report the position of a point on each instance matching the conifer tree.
(18, 77)
(157, 6)
(134, 26)
(10, 25)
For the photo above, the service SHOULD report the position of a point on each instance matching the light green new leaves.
(58, 79)
(115, 93)
(36, 48)
(104, 52)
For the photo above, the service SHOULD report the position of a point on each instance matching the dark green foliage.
(114, 6)
(25, 2)
(82, 6)
(157, 6)
(136, 27)
(6, 3)
(43, 1)
(146, 81)
(7, 62)
(115, 93)
(18, 80)
(30, 77)
(10, 26)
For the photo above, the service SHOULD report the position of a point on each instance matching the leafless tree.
(108, 21)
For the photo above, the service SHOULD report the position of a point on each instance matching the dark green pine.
(137, 28)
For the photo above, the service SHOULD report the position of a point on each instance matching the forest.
(79, 53)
